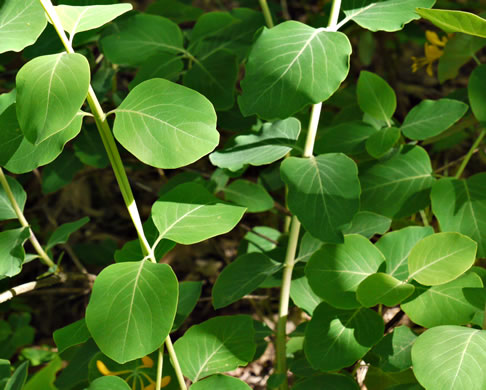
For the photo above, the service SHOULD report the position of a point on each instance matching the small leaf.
(241, 277)
(303, 296)
(44, 379)
(455, 21)
(368, 224)
(381, 142)
(440, 258)
(50, 92)
(477, 92)
(189, 293)
(217, 345)
(17, 380)
(72, 334)
(62, 233)
(13, 254)
(348, 137)
(166, 125)
(6, 209)
(383, 289)
(21, 21)
(375, 96)
(132, 309)
(250, 195)
(432, 117)
(464, 349)
(60, 172)
(109, 382)
(220, 382)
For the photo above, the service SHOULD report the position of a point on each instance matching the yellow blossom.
(147, 362)
(432, 52)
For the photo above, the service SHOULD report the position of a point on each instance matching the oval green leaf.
(383, 289)
(251, 195)
(455, 21)
(381, 142)
(220, 382)
(476, 90)
(6, 209)
(17, 380)
(375, 96)
(109, 382)
(328, 382)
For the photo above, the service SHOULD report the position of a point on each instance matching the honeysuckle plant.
(377, 240)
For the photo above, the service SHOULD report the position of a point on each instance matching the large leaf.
(270, 144)
(162, 65)
(460, 206)
(432, 117)
(21, 23)
(328, 382)
(376, 97)
(77, 19)
(347, 137)
(387, 15)
(251, 195)
(50, 91)
(455, 21)
(165, 124)
(190, 213)
(323, 192)
(440, 258)
(175, 10)
(397, 186)
(368, 224)
(218, 345)
(72, 334)
(477, 92)
(12, 250)
(242, 277)
(132, 308)
(335, 271)
(220, 382)
(336, 338)
(6, 209)
(290, 66)
(445, 304)
(109, 382)
(450, 357)
(140, 37)
(381, 288)
(44, 379)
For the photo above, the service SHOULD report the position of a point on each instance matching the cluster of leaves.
(380, 229)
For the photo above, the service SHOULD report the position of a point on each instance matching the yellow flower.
(432, 52)
(147, 362)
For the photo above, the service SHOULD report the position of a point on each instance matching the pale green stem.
(424, 217)
(484, 319)
(20, 216)
(160, 365)
(266, 13)
(470, 153)
(175, 363)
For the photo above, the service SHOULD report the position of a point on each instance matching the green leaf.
(432, 117)
(328, 382)
(166, 125)
(10, 134)
(459, 206)
(220, 382)
(388, 15)
(190, 213)
(109, 382)
(270, 144)
(217, 345)
(175, 10)
(44, 379)
(241, 277)
(383, 289)
(397, 186)
(377, 379)
(308, 246)
(140, 37)
(132, 308)
(375, 96)
(381, 142)
(303, 296)
(336, 338)
(70, 335)
(62, 233)
(343, 267)
(17, 380)
(6, 209)
(455, 21)
(50, 92)
(161, 65)
(60, 172)
(323, 192)
(440, 258)
(250, 195)
(445, 304)
(21, 21)
(285, 67)
(476, 92)
(12, 250)
(189, 293)
(89, 150)
(7, 99)
(396, 247)
(462, 369)
(368, 224)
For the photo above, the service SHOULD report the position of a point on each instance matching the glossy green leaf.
(368, 224)
(166, 125)
(241, 277)
(460, 206)
(375, 96)
(464, 350)
(217, 345)
(132, 308)
(44, 379)
(50, 91)
(60, 172)
(190, 213)
(17, 380)
(477, 92)
(381, 142)
(189, 293)
(6, 209)
(13, 254)
(328, 382)
(72, 334)
(140, 37)
(285, 69)
(455, 21)
(7, 99)
(270, 144)
(399, 185)
(21, 23)
(177, 11)
(445, 304)
(220, 382)
(335, 271)
(347, 137)
(161, 65)
(323, 192)
(336, 338)
(303, 296)
(440, 258)
(250, 195)
(62, 233)
(396, 247)
(431, 117)
(381, 288)
(387, 15)
(109, 382)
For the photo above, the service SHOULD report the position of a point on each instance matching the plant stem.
(160, 364)
(175, 363)
(470, 153)
(33, 239)
(266, 13)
